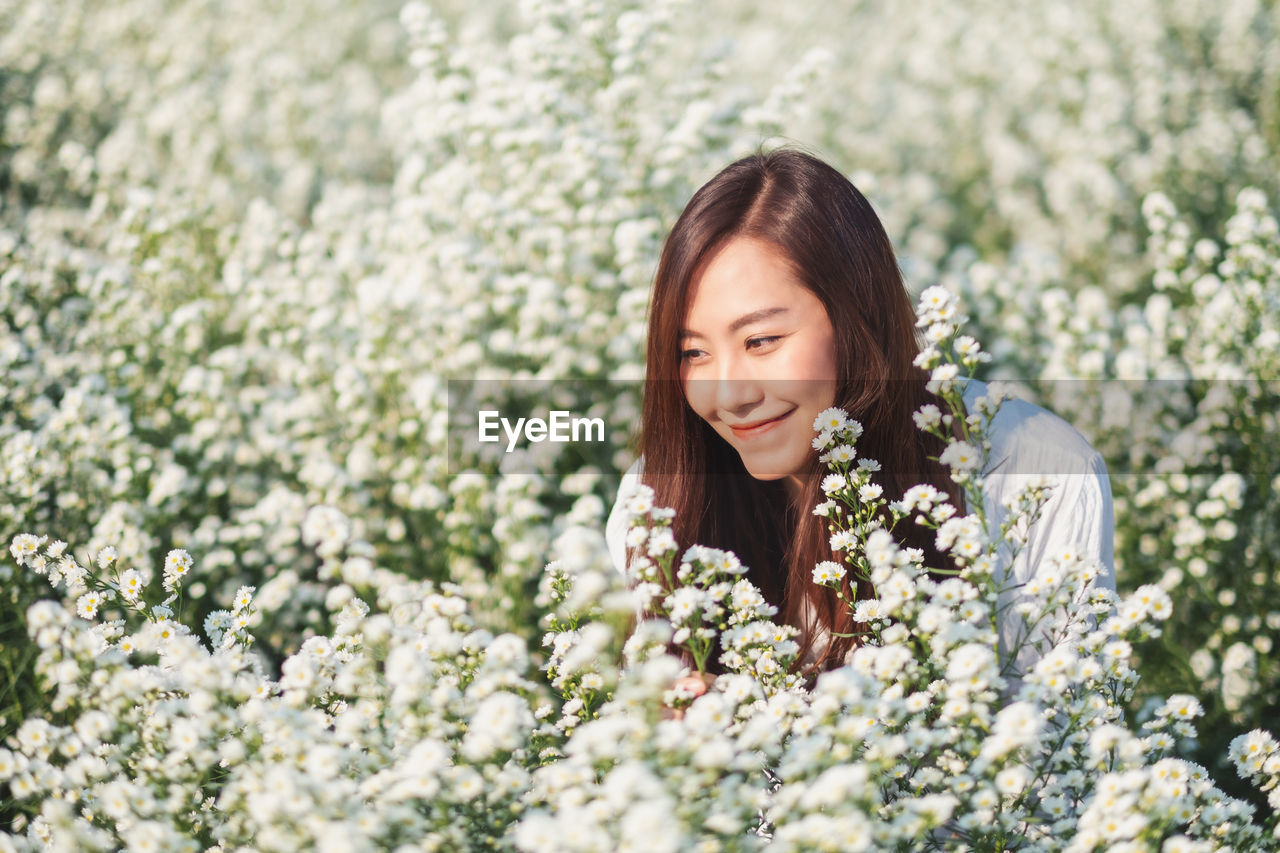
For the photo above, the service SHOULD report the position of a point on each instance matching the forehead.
(741, 276)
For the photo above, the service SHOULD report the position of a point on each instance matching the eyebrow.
(744, 320)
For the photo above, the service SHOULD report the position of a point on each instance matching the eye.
(762, 341)
(689, 354)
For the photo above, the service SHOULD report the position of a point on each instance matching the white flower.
(842, 454)
(130, 585)
(24, 546)
(176, 566)
(823, 440)
(726, 562)
(833, 483)
(243, 598)
(580, 548)
(684, 603)
(868, 610)
(641, 501)
(1182, 707)
(1153, 601)
(927, 417)
(970, 661)
(106, 557)
(960, 456)
(828, 572)
(831, 420)
(87, 605)
(921, 496)
(661, 541)
(842, 540)
(1250, 751)
(945, 372)
(824, 509)
(1012, 781)
(498, 724)
(934, 299)
(928, 357)
(72, 573)
(881, 549)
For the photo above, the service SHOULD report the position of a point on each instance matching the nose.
(737, 390)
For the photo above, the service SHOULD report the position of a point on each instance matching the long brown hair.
(828, 231)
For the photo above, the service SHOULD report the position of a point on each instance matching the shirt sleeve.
(1079, 518)
(615, 530)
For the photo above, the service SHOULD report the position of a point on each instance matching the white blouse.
(1027, 442)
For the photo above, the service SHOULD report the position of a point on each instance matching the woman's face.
(758, 357)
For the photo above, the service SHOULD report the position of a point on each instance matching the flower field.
(255, 596)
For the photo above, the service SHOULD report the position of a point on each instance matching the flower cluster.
(707, 601)
(100, 587)
(1177, 390)
(935, 735)
(460, 201)
(989, 130)
(236, 277)
(586, 605)
(410, 724)
(1257, 756)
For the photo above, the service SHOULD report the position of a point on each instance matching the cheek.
(695, 395)
(816, 363)
(820, 369)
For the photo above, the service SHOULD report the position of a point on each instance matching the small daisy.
(176, 566)
(870, 492)
(842, 540)
(928, 416)
(831, 420)
(87, 605)
(842, 454)
(833, 483)
(130, 585)
(827, 572)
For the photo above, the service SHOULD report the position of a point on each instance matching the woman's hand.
(685, 689)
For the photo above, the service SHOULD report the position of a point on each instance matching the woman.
(777, 296)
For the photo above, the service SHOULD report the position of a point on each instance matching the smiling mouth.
(759, 427)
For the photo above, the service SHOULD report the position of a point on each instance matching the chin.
(767, 472)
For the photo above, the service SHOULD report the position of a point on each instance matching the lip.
(755, 428)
